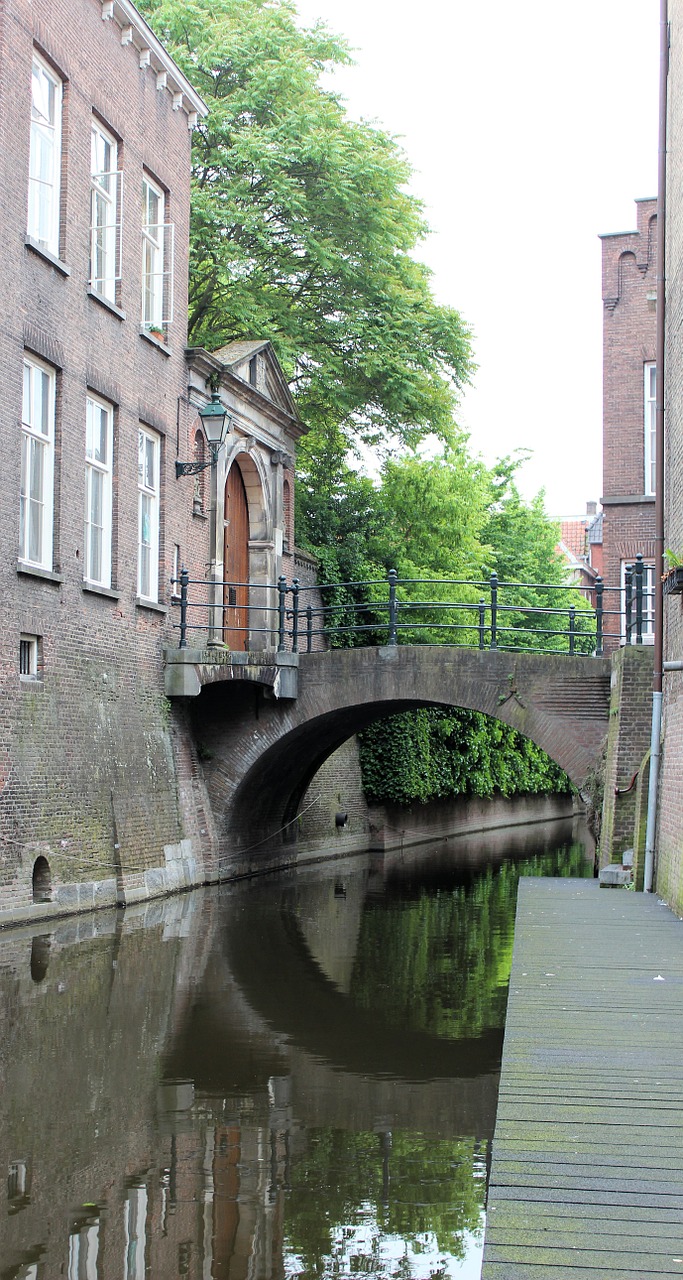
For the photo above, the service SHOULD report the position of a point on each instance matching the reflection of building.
(192, 1134)
(95, 136)
(110, 1174)
(629, 383)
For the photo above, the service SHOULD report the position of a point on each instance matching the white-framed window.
(650, 424)
(99, 442)
(17, 1180)
(84, 1244)
(175, 575)
(36, 495)
(149, 455)
(135, 1233)
(106, 198)
(157, 258)
(648, 627)
(45, 160)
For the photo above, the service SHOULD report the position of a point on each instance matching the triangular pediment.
(256, 364)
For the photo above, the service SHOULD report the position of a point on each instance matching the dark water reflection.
(294, 1077)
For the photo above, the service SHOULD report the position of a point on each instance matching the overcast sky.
(532, 128)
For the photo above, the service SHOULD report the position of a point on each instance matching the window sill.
(32, 682)
(106, 303)
(153, 605)
(36, 247)
(627, 499)
(200, 515)
(95, 590)
(34, 571)
(155, 342)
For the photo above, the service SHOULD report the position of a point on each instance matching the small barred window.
(28, 657)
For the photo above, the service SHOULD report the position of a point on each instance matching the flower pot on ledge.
(673, 581)
(154, 331)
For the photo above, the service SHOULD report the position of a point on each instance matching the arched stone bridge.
(260, 754)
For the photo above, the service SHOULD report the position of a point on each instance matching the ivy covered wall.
(433, 753)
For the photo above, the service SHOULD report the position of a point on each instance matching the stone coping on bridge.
(186, 671)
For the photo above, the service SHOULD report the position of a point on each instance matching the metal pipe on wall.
(655, 736)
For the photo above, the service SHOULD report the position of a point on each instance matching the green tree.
(523, 542)
(522, 537)
(302, 230)
(439, 508)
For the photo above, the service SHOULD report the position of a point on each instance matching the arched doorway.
(42, 880)
(236, 562)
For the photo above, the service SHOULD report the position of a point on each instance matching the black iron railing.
(485, 614)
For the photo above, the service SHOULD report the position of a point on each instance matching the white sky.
(531, 127)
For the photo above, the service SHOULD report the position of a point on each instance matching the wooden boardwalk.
(587, 1168)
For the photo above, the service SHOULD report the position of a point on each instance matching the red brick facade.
(629, 298)
(101, 796)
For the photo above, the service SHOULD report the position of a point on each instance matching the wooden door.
(236, 563)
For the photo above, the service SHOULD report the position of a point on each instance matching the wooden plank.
(587, 1164)
(531, 1271)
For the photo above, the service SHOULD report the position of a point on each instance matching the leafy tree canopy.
(446, 516)
(524, 539)
(302, 230)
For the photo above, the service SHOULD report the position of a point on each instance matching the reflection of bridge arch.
(262, 987)
(264, 755)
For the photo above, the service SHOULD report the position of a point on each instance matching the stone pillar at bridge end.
(628, 744)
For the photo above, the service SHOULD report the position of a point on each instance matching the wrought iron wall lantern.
(216, 422)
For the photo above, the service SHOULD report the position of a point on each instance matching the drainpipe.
(651, 828)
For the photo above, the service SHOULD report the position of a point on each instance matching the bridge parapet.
(486, 614)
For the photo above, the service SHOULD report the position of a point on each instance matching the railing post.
(599, 591)
(295, 616)
(393, 607)
(184, 579)
(482, 621)
(628, 601)
(309, 628)
(494, 610)
(639, 599)
(572, 627)
(281, 612)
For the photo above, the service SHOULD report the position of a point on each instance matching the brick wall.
(99, 775)
(337, 788)
(629, 326)
(87, 773)
(628, 741)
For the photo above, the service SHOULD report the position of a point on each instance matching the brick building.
(629, 385)
(580, 546)
(100, 795)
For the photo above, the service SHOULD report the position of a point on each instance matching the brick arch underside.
(263, 755)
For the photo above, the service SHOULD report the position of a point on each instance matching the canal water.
(291, 1077)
